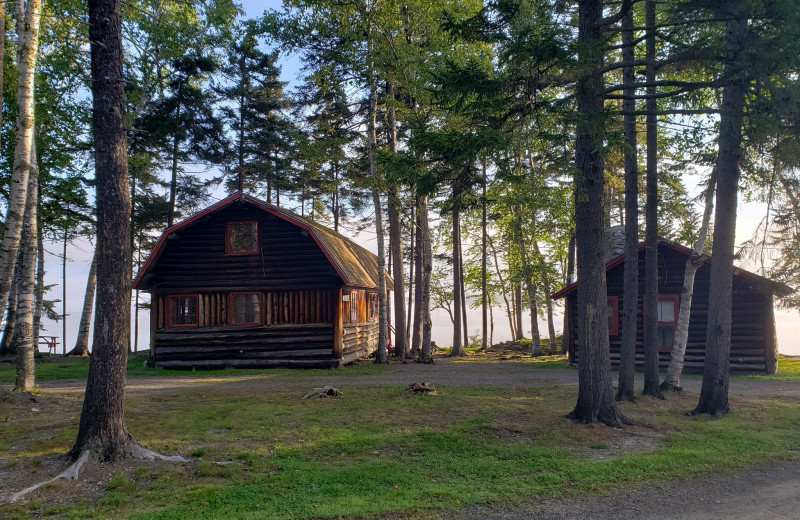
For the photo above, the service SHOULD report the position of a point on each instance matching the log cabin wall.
(295, 284)
(752, 343)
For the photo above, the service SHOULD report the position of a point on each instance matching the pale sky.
(79, 254)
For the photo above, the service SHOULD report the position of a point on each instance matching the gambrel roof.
(767, 285)
(355, 265)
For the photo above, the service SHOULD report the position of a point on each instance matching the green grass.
(788, 370)
(376, 450)
(54, 368)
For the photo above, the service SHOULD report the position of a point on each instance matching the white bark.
(675, 369)
(82, 342)
(24, 337)
(27, 48)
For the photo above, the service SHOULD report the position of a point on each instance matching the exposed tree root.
(669, 386)
(71, 473)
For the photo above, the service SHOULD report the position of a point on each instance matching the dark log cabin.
(754, 346)
(247, 284)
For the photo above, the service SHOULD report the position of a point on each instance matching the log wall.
(359, 340)
(194, 260)
(752, 311)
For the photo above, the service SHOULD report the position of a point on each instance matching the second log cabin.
(247, 284)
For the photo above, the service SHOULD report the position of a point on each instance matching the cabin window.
(182, 310)
(245, 309)
(373, 306)
(354, 306)
(668, 306)
(241, 238)
(613, 315)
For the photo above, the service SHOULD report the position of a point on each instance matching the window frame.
(228, 249)
(613, 320)
(676, 302)
(168, 315)
(373, 304)
(232, 309)
(353, 306)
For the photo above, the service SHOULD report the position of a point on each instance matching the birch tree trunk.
(416, 330)
(81, 347)
(23, 337)
(11, 318)
(38, 294)
(28, 17)
(672, 381)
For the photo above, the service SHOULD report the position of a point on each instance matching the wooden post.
(338, 328)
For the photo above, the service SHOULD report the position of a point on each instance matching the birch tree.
(28, 18)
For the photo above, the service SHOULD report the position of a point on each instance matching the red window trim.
(613, 320)
(228, 238)
(676, 302)
(231, 311)
(168, 311)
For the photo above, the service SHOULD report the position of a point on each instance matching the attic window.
(182, 311)
(241, 238)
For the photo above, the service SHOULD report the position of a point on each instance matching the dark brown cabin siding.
(749, 319)
(195, 257)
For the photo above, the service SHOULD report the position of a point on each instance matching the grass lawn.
(261, 452)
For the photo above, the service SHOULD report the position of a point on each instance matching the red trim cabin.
(754, 346)
(244, 283)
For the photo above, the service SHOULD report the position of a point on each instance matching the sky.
(79, 257)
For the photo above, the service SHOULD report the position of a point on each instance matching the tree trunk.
(714, 391)
(509, 314)
(2, 61)
(518, 311)
(38, 294)
(465, 337)
(570, 279)
(64, 285)
(427, 270)
(11, 319)
(551, 330)
(630, 299)
(396, 247)
(411, 256)
(595, 398)
(416, 331)
(484, 292)
(102, 431)
(530, 289)
(382, 352)
(651, 378)
(672, 381)
(82, 342)
(458, 346)
(23, 337)
(27, 50)
(173, 183)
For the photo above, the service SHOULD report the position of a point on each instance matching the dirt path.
(765, 494)
(501, 374)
